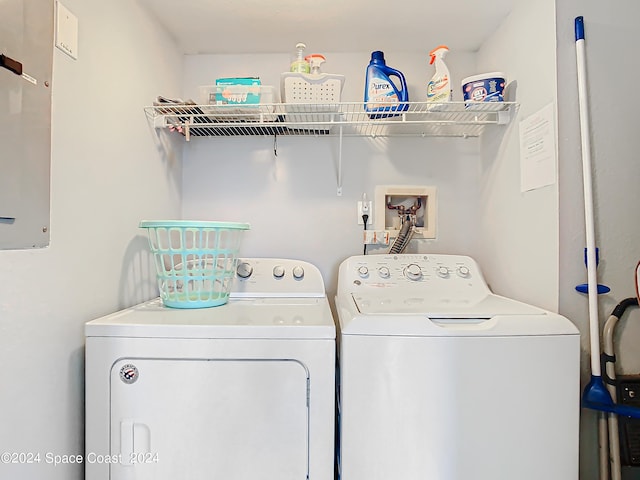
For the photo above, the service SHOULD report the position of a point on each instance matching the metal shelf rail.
(453, 119)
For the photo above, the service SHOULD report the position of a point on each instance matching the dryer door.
(208, 419)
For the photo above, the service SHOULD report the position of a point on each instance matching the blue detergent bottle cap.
(377, 57)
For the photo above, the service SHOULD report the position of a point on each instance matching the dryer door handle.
(135, 438)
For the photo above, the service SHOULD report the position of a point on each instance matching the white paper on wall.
(538, 150)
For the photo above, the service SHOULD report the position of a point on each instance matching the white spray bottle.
(439, 87)
(315, 60)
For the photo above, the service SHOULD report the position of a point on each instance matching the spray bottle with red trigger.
(439, 87)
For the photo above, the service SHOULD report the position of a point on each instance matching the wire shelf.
(452, 119)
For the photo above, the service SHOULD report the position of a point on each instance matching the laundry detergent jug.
(383, 96)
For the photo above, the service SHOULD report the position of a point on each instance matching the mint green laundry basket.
(195, 261)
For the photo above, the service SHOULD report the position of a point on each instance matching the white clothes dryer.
(243, 391)
(442, 379)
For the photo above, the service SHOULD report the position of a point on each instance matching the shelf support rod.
(504, 116)
(340, 162)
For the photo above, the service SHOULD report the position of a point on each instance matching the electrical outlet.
(365, 208)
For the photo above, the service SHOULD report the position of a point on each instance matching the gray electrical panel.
(26, 42)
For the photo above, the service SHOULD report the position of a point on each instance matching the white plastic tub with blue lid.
(485, 87)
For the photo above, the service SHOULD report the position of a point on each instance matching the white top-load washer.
(243, 391)
(440, 379)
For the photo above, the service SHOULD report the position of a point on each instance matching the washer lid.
(269, 318)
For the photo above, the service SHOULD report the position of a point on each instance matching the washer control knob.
(442, 271)
(298, 272)
(244, 269)
(384, 272)
(413, 272)
(278, 271)
(463, 271)
(363, 271)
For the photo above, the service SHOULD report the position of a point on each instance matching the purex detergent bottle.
(383, 96)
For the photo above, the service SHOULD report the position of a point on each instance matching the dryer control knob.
(463, 271)
(278, 271)
(384, 272)
(363, 271)
(244, 269)
(298, 272)
(413, 272)
(442, 271)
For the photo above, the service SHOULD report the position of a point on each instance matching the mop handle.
(592, 281)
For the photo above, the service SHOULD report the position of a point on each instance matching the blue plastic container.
(381, 93)
(487, 87)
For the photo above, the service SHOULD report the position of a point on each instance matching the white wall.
(520, 229)
(290, 199)
(106, 175)
(611, 36)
